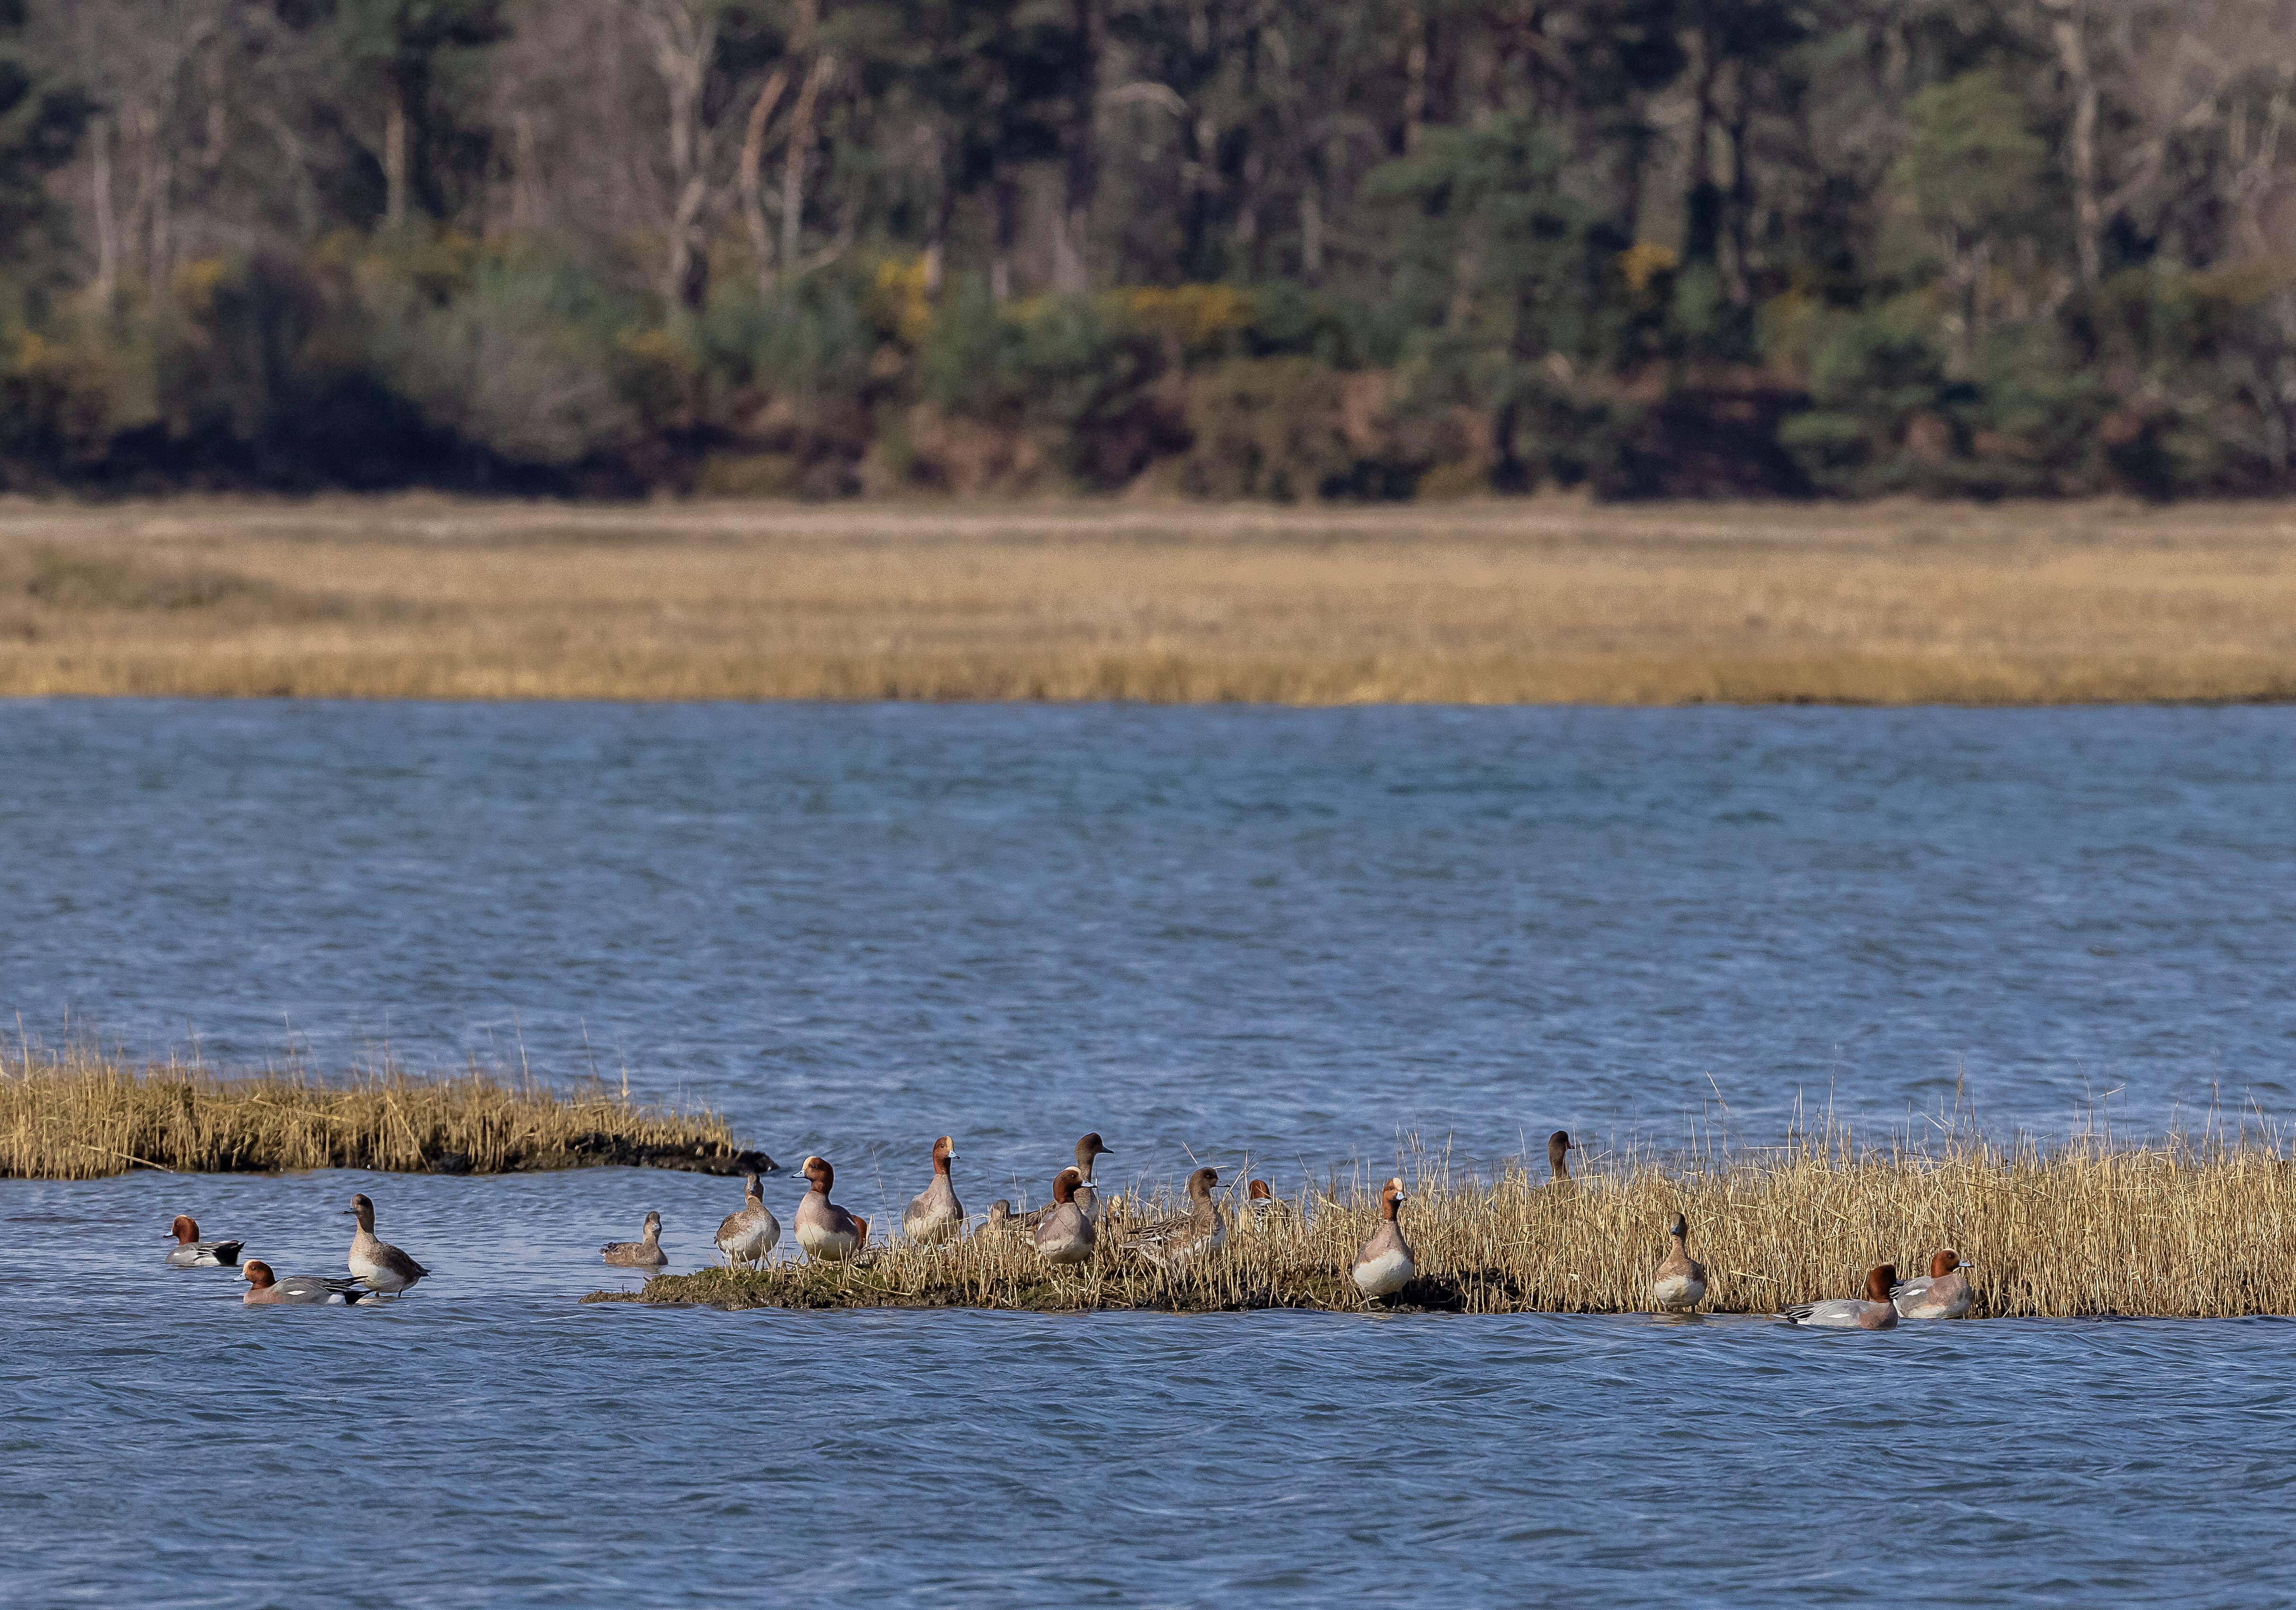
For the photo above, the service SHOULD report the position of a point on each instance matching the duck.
(1262, 1206)
(1873, 1311)
(1679, 1284)
(378, 1264)
(1168, 1243)
(750, 1235)
(190, 1252)
(645, 1253)
(1943, 1294)
(1559, 1146)
(264, 1286)
(824, 1229)
(1384, 1266)
(1001, 1222)
(935, 1214)
(1065, 1235)
(1088, 1151)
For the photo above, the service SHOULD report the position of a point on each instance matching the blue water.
(1291, 936)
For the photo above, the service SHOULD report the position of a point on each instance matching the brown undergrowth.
(83, 1115)
(2181, 1228)
(1540, 602)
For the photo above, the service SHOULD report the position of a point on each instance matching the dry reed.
(82, 1115)
(2175, 1229)
(1525, 602)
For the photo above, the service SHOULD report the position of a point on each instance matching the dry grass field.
(2167, 1230)
(1540, 601)
(83, 1115)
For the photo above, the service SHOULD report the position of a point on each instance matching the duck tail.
(1798, 1313)
(864, 1223)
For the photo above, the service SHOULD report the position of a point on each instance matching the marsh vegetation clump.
(2180, 1227)
(82, 1114)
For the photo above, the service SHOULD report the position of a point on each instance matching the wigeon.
(264, 1286)
(645, 1253)
(1943, 1294)
(190, 1252)
(1168, 1243)
(378, 1264)
(1066, 1235)
(935, 1214)
(750, 1235)
(1873, 1311)
(824, 1229)
(1679, 1285)
(1385, 1265)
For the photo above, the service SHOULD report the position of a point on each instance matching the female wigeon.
(1168, 1243)
(1385, 1265)
(1873, 1311)
(1680, 1283)
(190, 1252)
(1943, 1294)
(264, 1286)
(378, 1264)
(1559, 1146)
(1066, 1234)
(645, 1253)
(935, 1214)
(750, 1235)
(824, 1229)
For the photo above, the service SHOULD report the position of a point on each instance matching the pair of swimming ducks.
(378, 1269)
(1065, 1231)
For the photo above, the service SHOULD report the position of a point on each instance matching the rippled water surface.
(1291, 936)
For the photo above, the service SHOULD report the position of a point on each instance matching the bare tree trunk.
(793, 159)
(526, 186)
(394, 155)
(107, 234)
(1311, 229)
(1005, 200)
(2068, 21)
(1080, 153)
(1742, 195)
(751, 176)
(1414, 76)
(685, 39)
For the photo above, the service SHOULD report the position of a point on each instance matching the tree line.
(1273, 248)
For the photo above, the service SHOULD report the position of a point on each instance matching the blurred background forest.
(1253, 249)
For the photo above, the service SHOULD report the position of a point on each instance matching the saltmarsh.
(2178, 1228)
(81, 1114)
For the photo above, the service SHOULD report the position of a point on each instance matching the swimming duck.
(643, 1254)
(190, 1252)
(1679, 1285)
(1065, 1235)
(750, 1236)
(824, 1229)
(379, 1264)
(1087, 1196)
(1385, 1265)
(264, 1286)
(1873, 1311)
(1168, 1243)
(935, 1214)
(1943, 1294)
(1559, 1146)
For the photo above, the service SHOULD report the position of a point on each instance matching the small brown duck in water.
(645, 1253)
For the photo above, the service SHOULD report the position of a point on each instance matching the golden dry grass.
(81, 1116)
(1537, 601)
(2171, 1229)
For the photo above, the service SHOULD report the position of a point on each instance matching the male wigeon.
(264, 1286)
(1066, 1235)
(1088, 1153)
(1943, 1294)
(1873, 1311)
(824, 1229)
(1384, 1266)
(190, 1252)
(935, 1214)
